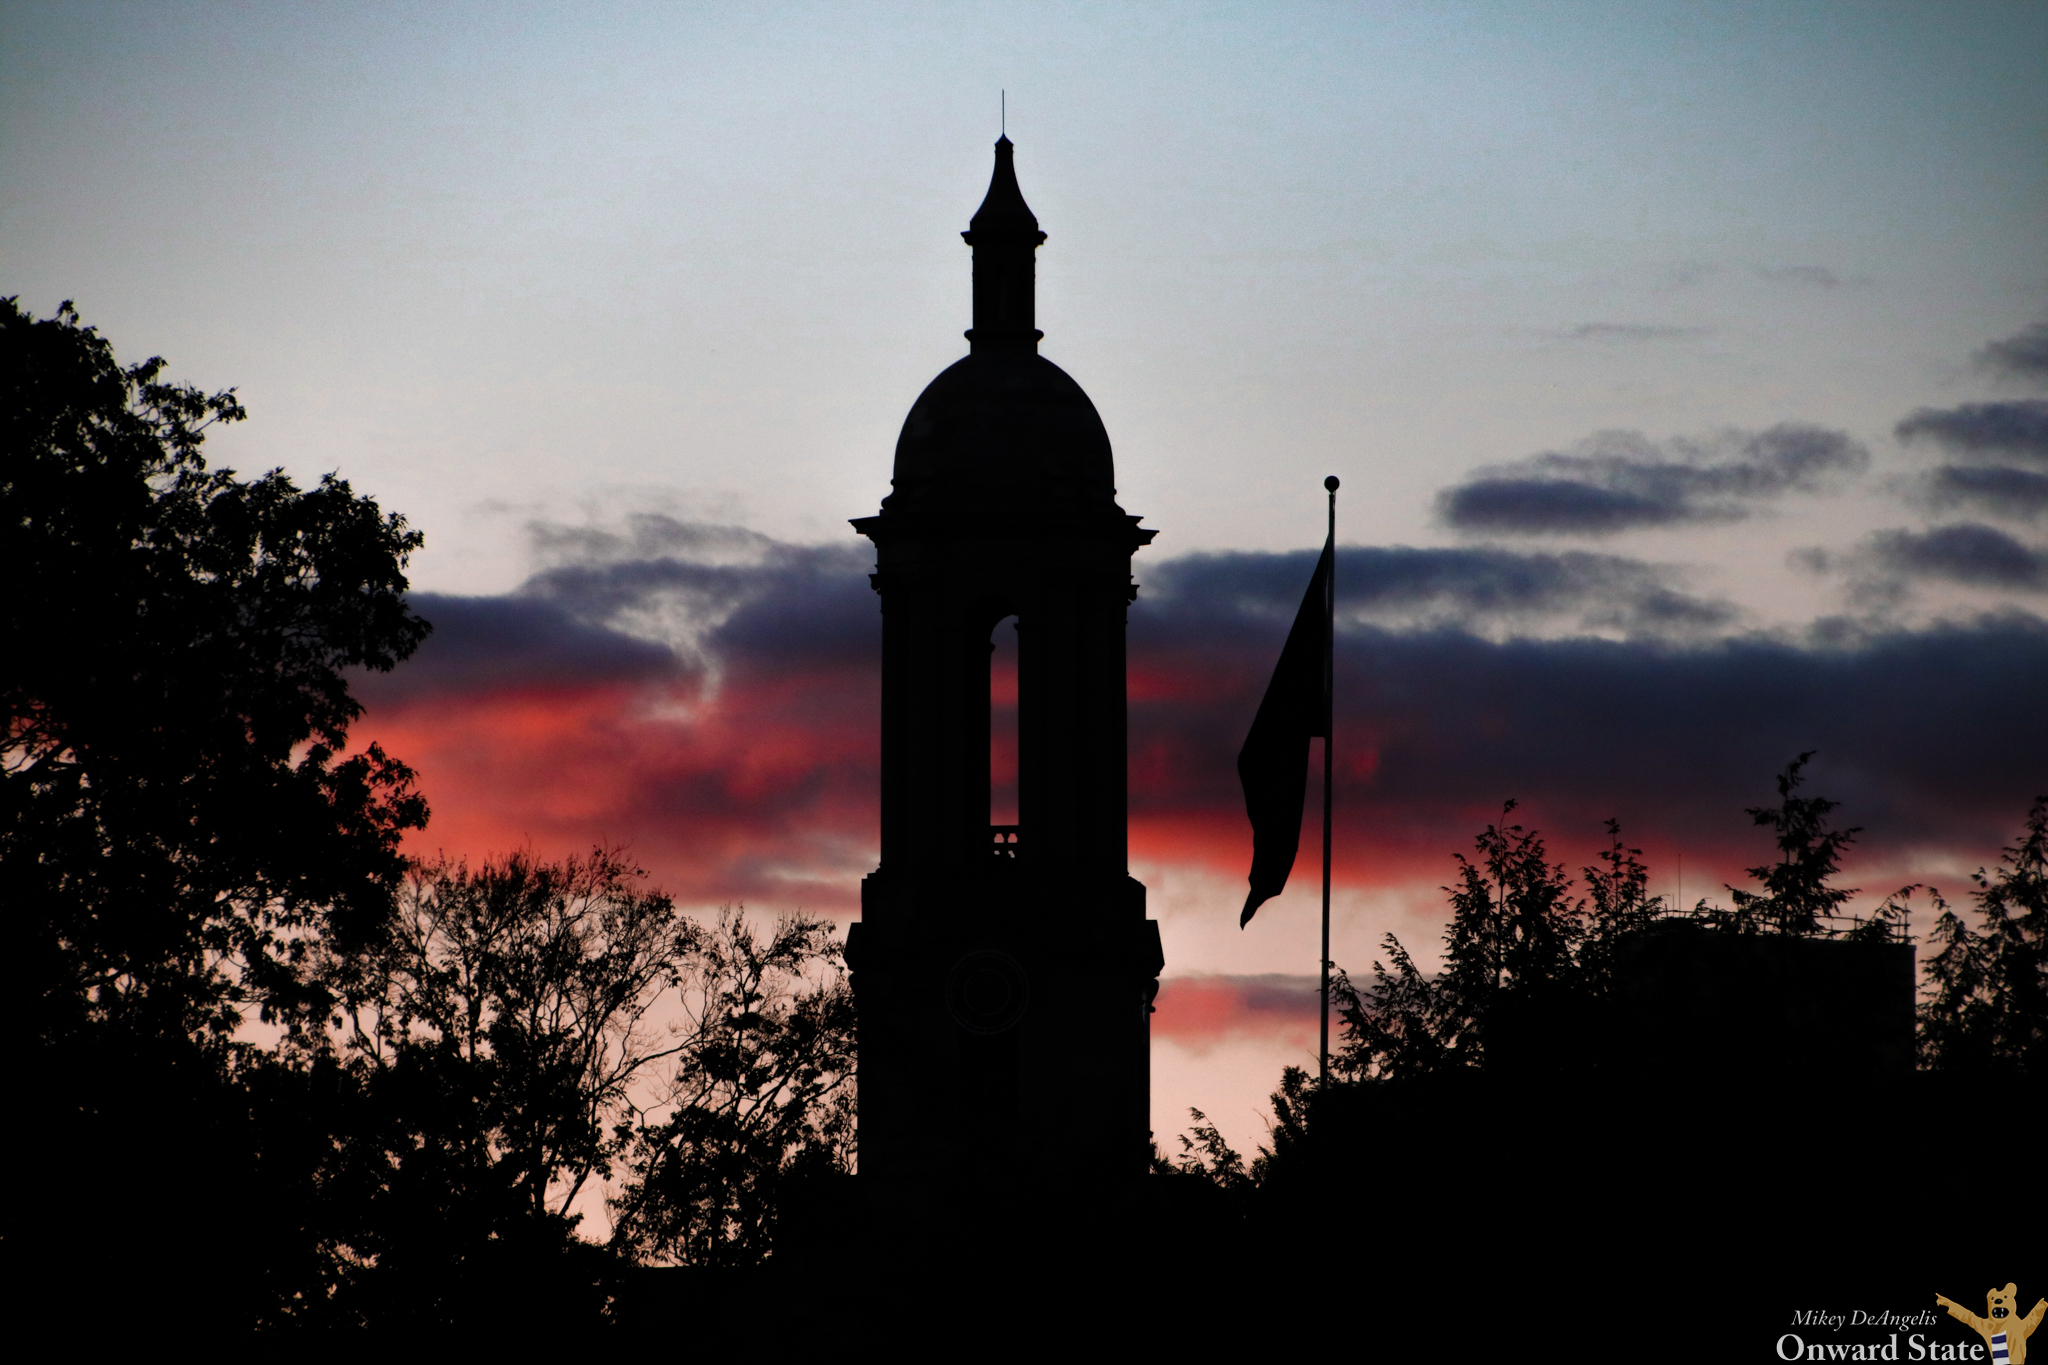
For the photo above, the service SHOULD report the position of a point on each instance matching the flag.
(1273, 765)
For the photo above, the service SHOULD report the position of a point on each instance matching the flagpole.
(1329, 744)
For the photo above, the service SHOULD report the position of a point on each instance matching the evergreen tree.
(1988, 1009)
(1513, 984)
(1796, 898)
(1620, 904)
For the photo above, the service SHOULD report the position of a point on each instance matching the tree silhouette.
(1583, 1076)
(500, 1026)
(1523, 963)
(1207, 1154)
(1509, 949)
(1796, 897)
(178, 812)
(1397, 1030)
(1619, 905)
(1988, 1008)
(468, 1079)
(760, 1107)
(181, 817)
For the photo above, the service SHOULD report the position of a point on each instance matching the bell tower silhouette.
(1003, 973)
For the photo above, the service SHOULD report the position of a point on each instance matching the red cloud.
(763, 791)
(528, 723)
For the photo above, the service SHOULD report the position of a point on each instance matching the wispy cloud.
(1685, 274)
(1199, 1011)
(1964, 552)
(1619, 480)
(1887, 569)
(1632, 331)
(1812, 276)
(1999, 490)
(1481, 589)
(2022, 356)
(2017, 428)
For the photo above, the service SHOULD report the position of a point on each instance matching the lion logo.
(2004, 1334)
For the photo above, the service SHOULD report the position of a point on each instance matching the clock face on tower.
(987, 992)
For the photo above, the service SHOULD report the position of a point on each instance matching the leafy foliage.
(498, 1055)
(1987, 1012)
(522, 991)
(1619, 904)
(1513, 930)
(176, 811)
(181, 819)
(1525, 960)
(1397, 1030)
(761, 1100)
(192, 845)
(1529, 968)
(1207, 1154)
(1527, 965)
(479, 1053)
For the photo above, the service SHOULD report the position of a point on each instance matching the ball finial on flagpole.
(1331, 483)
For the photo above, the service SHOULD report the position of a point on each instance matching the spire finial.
(1004, 107)
(1004, 234)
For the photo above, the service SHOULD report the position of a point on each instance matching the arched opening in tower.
(1002, 723)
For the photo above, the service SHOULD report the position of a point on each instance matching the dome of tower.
(1004, 431)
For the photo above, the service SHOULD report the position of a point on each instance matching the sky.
(1685, 365)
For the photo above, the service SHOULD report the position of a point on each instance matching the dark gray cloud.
(1996, 489)
(1965, 552)
(2021, 356)
(800, 599)
(1620, 480)
(661, 601)
(482, 644)
(2019, 428)
(1535, 506)
(1927, 735)
(1479, 587)
(1631, 331)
